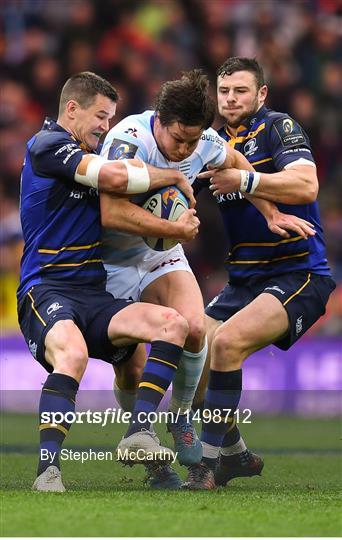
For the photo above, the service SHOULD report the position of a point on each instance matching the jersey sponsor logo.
(212, 138)
(53, 307)
(76, 194)
(33, 348)
(226, 197)
(118, 355)
(299, 325)
(213, 301)
(120, 149)
(70, 149)
(275, 288)
(171, 262)
(289, 132)
(250, 147)
(132, 131)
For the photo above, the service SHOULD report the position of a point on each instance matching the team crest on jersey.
(250, 147)
(289, 132)
(122, 150)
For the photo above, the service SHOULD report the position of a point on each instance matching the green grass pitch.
(297, 495)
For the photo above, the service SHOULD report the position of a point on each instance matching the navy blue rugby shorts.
(90, 309)
(303, 295)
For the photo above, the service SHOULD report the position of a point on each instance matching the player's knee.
(175, 327)
(71, 361)
(225, 351)
(196, 333)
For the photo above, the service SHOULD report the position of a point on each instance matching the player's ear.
(71, 107)
(263, 92)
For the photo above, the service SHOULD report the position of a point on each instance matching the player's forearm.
(124, 216)
(296, 185)
(265, 207)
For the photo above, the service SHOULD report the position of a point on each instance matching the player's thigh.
(143, 322)
(65, 349)
(257, 325)
(179, 290)
(128, 374)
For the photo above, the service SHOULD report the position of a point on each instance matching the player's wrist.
(249, 181)
(138, 178)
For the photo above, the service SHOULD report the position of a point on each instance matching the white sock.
(186, 380)
(236, 448)
(210, 451)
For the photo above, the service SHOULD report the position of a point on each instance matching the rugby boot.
(188, 447)
(161, 476)
(141, 447)
(244, 464)
(200, 476)
(49, 480)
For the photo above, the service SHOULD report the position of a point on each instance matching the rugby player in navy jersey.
(65, 313)
(277, 287)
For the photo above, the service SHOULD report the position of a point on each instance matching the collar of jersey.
(51, 125)
(250, 123)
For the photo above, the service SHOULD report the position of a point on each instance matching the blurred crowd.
(138, 45)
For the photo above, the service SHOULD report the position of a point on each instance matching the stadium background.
(137, 46)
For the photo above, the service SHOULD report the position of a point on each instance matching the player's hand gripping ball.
(167, 203)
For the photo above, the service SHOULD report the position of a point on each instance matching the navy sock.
(223, 395)
(58, 396)
(159, 371)
(231, 437)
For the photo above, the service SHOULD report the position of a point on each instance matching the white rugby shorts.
(127, 281)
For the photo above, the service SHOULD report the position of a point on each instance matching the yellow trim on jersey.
(34, 309)
(267, 244)
(54, 426)
(90, 261)
(162, 361)
(68, 248)
(299, 290)
(271, 260)
(153, 386)
(244, 138)
(261, 161)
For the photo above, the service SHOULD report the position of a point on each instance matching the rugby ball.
(166, 203)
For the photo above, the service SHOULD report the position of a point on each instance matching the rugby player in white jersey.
(177, 135)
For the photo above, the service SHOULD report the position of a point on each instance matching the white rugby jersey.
(133, 137)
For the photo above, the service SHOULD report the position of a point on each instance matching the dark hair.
(84, 87)
(186, 100)
(239, 63)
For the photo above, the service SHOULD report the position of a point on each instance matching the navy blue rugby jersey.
(60, 217)
(269, 140)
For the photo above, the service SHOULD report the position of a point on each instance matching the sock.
(158, 373)
(58, 395)
(186, 380)
(125, 398)
(233, 443)
(224, 391)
